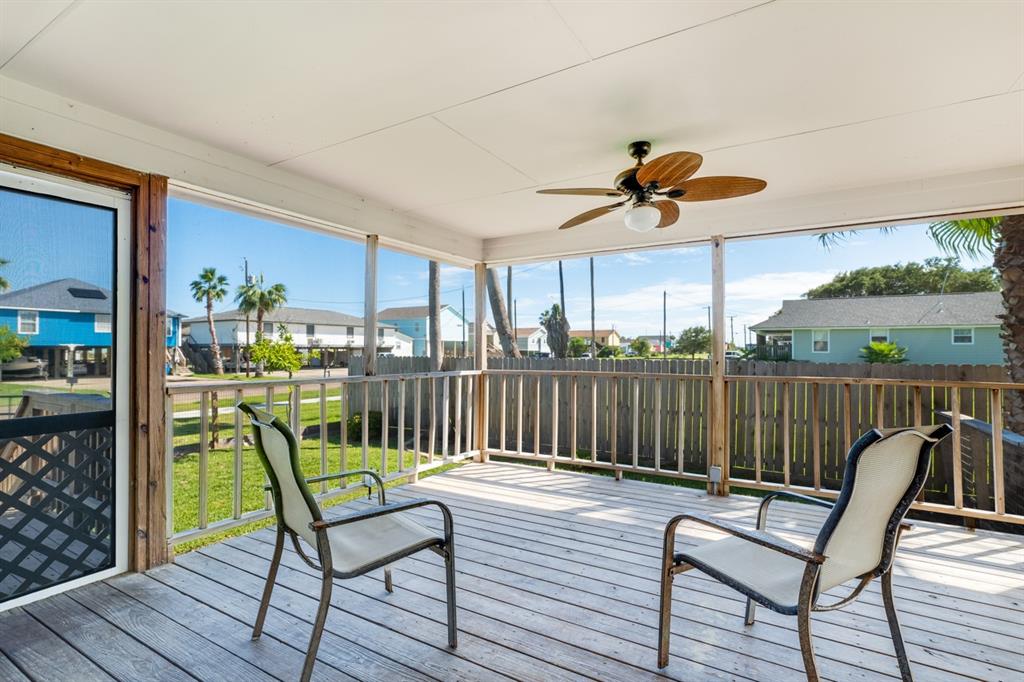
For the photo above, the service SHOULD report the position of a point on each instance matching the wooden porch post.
(370, 308)
(480, 352)
(718, 455)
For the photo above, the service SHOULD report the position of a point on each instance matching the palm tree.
(254, 297)
(434, 341)
(4, 284)
(1003, 237)
(506, 334)
(209, 288)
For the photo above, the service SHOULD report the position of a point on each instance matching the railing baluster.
(469, 416)
(636, 421)
(680, 433)
(401, 424)
(204, 456)
(998, 480)
(169, 460)
(384, 409)
(613, 409)
(485, 421)
(268, 403)
(519, 414)
(458, 416)
(554, 422)
(236, 487)
(958, 463)
(365, 431)
(816, 433)
(446, 397)
(785, 433)
(324, 486)
(501, 416)
(536, 416)
(416, 425)
(593, 419)
(573, 395)
(657, 424)
(847, 416)
(880, 405)
(432, 435)
(343, 410)
(917, 407)
(757, 432)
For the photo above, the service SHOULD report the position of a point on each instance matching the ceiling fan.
(666, 176)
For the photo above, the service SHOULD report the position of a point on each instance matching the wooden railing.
(399, 426)
(782, 432)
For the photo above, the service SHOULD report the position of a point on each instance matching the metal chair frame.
(444, 547)
(674, 563)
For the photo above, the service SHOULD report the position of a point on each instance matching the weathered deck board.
(557, 577)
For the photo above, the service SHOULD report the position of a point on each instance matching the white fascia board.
(199, 171)
(995, 191)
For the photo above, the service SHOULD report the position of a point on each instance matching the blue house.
(936, 329)
(68, 312)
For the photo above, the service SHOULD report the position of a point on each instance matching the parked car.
(25, 367)
(733, 355)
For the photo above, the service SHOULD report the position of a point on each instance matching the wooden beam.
(718, 453)
(370, 308)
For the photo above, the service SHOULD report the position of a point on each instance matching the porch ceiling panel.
(425, 119)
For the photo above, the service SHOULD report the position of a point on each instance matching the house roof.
(522, 332)
(61, 294)
(290, 315)
(922, 310)
(586, 332)
(412, 312)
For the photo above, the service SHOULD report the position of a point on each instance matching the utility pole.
(508, 276)
(708, 308)
(515, 322)
(664, 325)
(744, 337)
(248, 363)
(464, 323)
(593, 326)
(732, 330)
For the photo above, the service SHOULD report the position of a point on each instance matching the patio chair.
(346, 547)
(885, 471)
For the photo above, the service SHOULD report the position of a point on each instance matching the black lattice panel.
(56, 500)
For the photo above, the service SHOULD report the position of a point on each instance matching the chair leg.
(806, 645)
(751, 611)
(318, 626)
(894, 627)
(261, 615)
(388, 585)
(449, 570)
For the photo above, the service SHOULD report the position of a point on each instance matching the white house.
(414, 321)
(533, 340)
(337, 335)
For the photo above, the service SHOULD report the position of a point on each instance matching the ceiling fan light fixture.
(642, 217)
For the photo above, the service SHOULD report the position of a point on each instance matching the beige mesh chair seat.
(885, 471)
(344, 547)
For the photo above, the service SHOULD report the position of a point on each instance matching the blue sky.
(327, 272)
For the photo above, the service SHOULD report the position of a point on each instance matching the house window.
(819, 340)
(350, 332)
(878, 336)
(310, 330)
(101, 324)
(28, 322)
(170, 327)
(963, 337)
(380, 333)
(268, 328)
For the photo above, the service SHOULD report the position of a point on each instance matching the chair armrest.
(762, 510)
(390, 508)
(756, 536)
(358, 472)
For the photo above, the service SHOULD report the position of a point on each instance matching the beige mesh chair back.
(345, 547)
(885, 471)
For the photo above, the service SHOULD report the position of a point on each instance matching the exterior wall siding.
(925, 345)
(56, 328)
(418, 329)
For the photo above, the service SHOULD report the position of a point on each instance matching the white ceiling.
(453, 114)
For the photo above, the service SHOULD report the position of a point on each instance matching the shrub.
(355, 426)
(883, 352)
(610, 352)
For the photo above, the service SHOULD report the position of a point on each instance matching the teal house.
(68, 314)
(936, 329)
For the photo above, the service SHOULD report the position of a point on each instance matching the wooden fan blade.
(590, 215)
(719, 187)
(669, 170)
(583, 191)
(669, 212)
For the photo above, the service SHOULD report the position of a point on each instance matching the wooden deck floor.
(557, 580)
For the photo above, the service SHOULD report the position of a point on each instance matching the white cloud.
(634, 258)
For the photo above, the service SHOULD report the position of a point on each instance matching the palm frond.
(973, 237)
(830, 240)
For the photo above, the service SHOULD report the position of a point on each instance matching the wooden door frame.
(147, 474)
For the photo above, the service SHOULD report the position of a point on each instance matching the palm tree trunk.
(218, 368)
(506, 335)
(1009, 261)
(259, 337)
(434, 340)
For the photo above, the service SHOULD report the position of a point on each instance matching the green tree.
(610, 352)
(557, 327)
(693, 340)
(578, 347)
(1003, 237)
(933, 276)
(280, 355)
(883, 352)
(11, 346)
(210, 288)
(256, 297)
(641, 347)
(4, 284)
